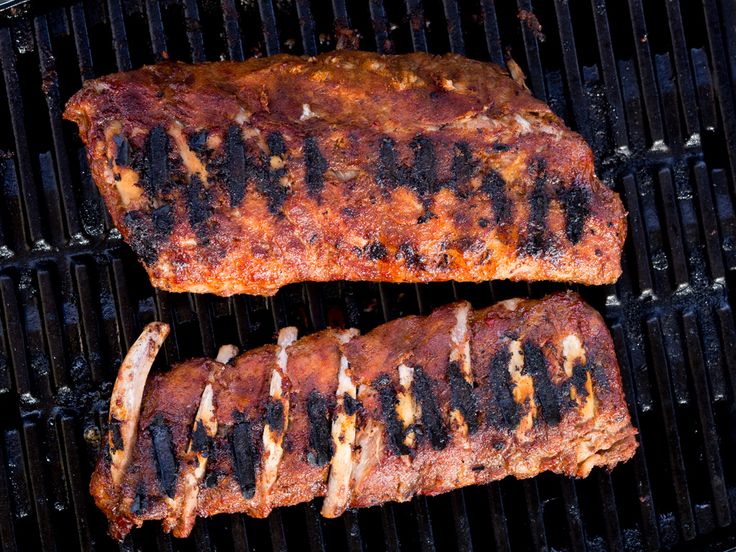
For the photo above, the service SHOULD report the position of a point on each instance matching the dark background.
(649, 83)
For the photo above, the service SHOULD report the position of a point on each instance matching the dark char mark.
(503, 412)
(163, 452)
(423, 173)
(462, 397)
(199, 206)
(201, 442)
(198, 141)
(139, 506)
(122, 150)
(494, 187)
(155, 174)
(576, 203)
(117, 438)
(389, 173)
(410, 256)
(315, 165)
(432, 424)
(546, 393)
(463, 166)
(394, 427)
(350, 404)
(268, 180)
(244, 455)
(274, 415)
(148, 232)
(537, 242)
(235, 179)
(376, 251)
(320, 438)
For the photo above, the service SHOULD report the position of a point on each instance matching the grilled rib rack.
(649, 83)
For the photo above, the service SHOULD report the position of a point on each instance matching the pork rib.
(420, 405)
(241, 177)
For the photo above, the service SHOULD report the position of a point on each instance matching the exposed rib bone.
(125, 402)
(226, 353)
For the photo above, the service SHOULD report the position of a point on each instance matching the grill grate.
(650, 85)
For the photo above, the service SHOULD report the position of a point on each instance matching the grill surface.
(649, 84)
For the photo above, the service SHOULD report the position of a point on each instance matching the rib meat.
(420, 405)
(241, 177)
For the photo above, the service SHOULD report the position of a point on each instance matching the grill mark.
(315, 166)
(393, 426)
(537, 242)
(546, 393)
(423, 173)
(578, 379)
(504, 412)
(163, 222)
(464, 166)
(198, 141)
(163, 453)
(155, 175)
(389, 173)
(268, 180)
(201, 442)
(576, 203)
(376, 251)
(140, 504)
(122, 150)
(235, 177)
(462, 397)
(432, 424)
(350, 404)
(320, 438)
(199, 206)
(274, 415)
(117, 437)
(244, 455)
(494, 187)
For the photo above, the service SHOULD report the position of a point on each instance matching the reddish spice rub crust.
(243, 177)
(543, 393)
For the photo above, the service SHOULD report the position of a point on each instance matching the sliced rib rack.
(420, 405)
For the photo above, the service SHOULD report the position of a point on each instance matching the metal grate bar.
(576, 531)
(380, 26)
(533, 61)
(493, 37)
(415, 12)
(81, 41)
(462, 525)
(232, 30)
(156, 29)
(306, 25)
(194, 31)
(16, 339)
(536, 515)
(37, 481)
(610, 512)
(708, 219)
(454, 26)
(119, 35)
(674, 231)
(15, 104)
(77, 482)
(270, 31)
(7, 529)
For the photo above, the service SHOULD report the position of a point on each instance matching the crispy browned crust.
(534, 402)
(347, 166)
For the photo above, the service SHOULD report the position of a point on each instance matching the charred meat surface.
(241, 177)
(420, 405)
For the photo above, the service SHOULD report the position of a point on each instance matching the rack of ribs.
(420, 405)
(242, 177)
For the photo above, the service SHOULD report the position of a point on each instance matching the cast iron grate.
(649, 84)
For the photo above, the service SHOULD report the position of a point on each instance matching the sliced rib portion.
(420, 405)
(242, 177)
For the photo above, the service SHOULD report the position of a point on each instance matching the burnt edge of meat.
(163, 453)
(148, 232)
(394, 428)
(433, 426)
(315, 166)
(320, 438)
(546, 393)
(462, 397)
(244, 454)
(494, 186)
(117, 437)
(273, 415)
(576, 204)
(503, 410)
